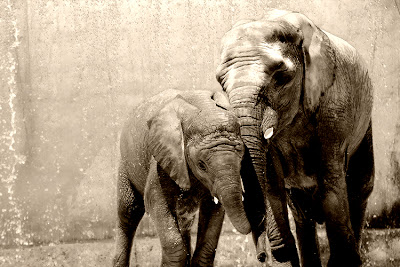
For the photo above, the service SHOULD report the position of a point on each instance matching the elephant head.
(196, 136)
(272, 70)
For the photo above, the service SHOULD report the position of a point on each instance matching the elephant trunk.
(251, 113)
(243, 100)
(229, 191)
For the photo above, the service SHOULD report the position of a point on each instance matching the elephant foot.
(261, 256)
(284, 255)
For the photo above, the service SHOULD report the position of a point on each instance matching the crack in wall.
(15, 221)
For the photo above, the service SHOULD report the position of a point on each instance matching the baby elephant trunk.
(229, 191)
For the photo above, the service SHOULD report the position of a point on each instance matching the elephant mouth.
(216, 200)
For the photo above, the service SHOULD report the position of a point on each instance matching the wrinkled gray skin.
(283, 73)
(178, 151)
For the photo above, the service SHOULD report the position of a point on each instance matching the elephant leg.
(342, 241)
(211, 217)
(308, 243)
(130, 212)
(283, 248)
(173, 243)
(360, 182)
(283, 245)
(306, 233)
(185, 223)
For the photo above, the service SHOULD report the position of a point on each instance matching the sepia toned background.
(70, 71)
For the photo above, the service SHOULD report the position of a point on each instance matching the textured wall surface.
(71, 70)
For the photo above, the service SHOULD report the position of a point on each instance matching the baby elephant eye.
(202, 166)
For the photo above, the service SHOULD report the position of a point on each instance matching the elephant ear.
(241, 22)
(319, 58)
(221, 100)
(166, 140)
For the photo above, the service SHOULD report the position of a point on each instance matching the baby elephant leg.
(175, 251)
(211, 217)
(130, 212)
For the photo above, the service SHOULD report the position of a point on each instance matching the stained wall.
(71, 70)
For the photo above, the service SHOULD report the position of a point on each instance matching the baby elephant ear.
(221, 99)
(166, 140)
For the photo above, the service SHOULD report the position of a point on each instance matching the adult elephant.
(304, 99)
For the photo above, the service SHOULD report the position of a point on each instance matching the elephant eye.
(202, 166)
(281, 78)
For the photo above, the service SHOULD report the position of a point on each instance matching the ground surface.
(380, 248)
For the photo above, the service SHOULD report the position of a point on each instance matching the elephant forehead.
(253, 31)
(256, 32)
(251, 28)
(215, 139)
(206, 123)
(268, 49)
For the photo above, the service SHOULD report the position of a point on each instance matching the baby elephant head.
(197, 134)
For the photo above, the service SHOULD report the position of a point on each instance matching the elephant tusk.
(241, 182)
(242, 198)
(268, 133)
(215, 200)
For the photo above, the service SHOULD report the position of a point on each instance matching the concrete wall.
(71, 70)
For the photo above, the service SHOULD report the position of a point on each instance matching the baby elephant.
(180, 151)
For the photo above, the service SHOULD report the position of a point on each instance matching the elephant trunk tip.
(237, 214)
(246, 230)
(243, 228)
(261, 256)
